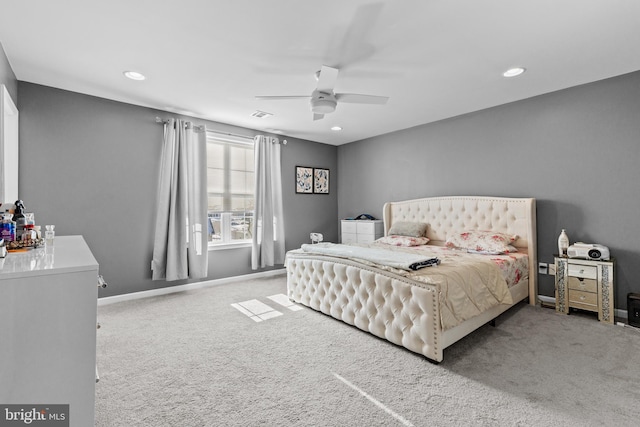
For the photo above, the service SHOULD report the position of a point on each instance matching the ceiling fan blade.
(352, 44)
(276, 98)
(327, 79)
(317, 116)
(355, 98)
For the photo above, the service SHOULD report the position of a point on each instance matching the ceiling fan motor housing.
(323, 103)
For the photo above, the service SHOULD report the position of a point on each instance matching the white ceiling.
(209, 59)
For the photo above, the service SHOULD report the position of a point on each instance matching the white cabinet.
(48, 305)
(361, 231)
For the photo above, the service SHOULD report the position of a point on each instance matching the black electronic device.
(364, 217)
(633, 309)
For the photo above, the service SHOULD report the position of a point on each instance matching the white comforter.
(376, 255)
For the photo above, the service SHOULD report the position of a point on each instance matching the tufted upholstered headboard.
(446, 215)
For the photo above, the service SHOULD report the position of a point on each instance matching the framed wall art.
(320, 181)
(304, 179)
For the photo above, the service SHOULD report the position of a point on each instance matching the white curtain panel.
(268, 224)
(180, 244)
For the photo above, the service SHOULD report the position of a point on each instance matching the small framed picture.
(304, 179)
(320, 181)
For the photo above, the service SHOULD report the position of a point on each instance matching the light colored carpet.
(191, 359)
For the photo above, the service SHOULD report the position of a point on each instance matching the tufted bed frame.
(393, 307)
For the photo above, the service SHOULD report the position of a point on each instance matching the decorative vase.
(563, 243)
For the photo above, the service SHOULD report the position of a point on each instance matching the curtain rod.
(165, 121)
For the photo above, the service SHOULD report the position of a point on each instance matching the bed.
(411, 308)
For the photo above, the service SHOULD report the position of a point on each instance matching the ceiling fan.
(324, 100)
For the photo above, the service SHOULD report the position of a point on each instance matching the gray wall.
(90, 166)
(7, 76)
(577, 151)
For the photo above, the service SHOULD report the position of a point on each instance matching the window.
(230, 187)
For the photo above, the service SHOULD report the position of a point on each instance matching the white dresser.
(361, 231)
(48, 305)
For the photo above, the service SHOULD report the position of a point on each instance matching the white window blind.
(230, 187)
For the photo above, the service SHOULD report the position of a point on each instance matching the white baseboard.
(188, 287)
(271, 273)
(551, 300)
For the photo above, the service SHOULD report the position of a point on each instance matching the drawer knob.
(582, 297)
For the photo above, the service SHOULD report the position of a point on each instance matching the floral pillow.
(510, 249)
(396, 240)
(407, 228)
(482, 241)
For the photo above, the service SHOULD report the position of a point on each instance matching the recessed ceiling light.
(336, 128)
(134, 75)
(513, 72)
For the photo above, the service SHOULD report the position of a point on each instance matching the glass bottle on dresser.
(49, 235)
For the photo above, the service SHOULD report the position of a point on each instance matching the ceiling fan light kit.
(323, 105)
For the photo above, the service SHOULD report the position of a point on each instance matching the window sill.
(221, 246)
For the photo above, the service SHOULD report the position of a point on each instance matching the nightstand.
(361, 231)
(585, 285)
